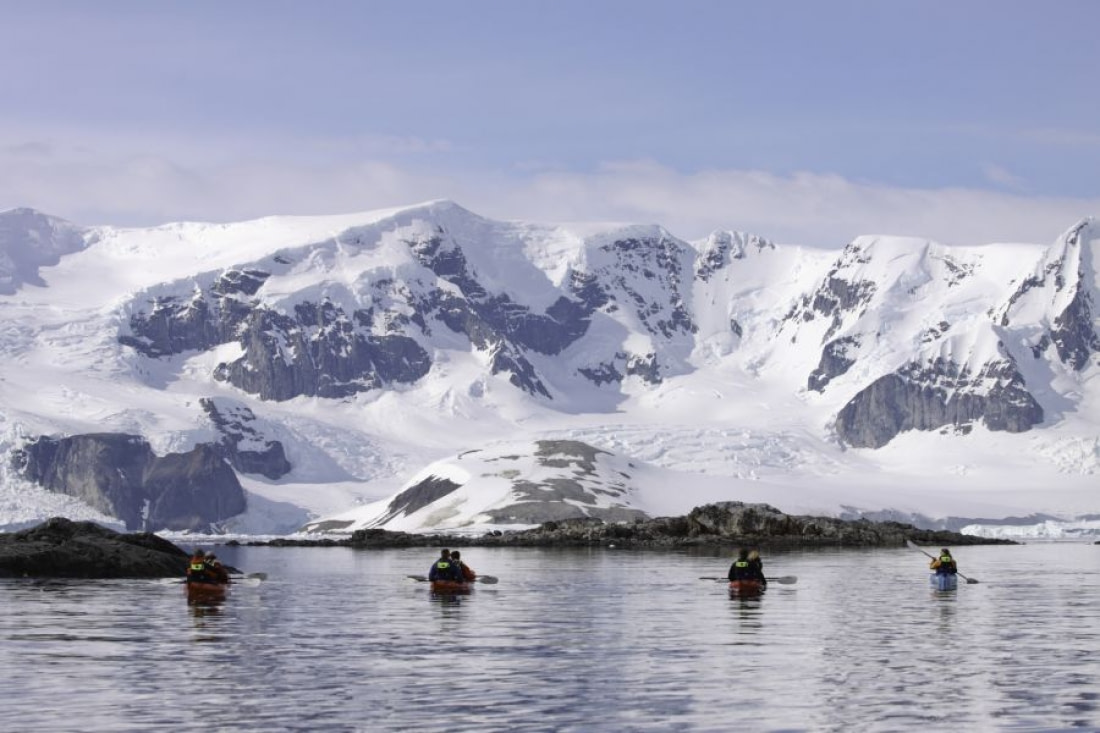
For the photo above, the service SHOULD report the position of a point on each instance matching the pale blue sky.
(803, 121)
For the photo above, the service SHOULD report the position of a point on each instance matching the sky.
(801, 121)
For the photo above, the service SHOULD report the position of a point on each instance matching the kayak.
(206, 591)
(944, 581)
(450, 586)
(746, 587)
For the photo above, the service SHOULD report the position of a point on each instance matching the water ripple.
(591, 640)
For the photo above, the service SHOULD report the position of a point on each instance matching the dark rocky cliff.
(934, 396)
(120, 476)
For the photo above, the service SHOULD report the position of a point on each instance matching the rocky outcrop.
(1059, 288)
(722, 248)
(119, 475)
(30, 240)
(732, 523)
(937, 395)
(835, 361)
(60, 548)
(242, 444)
(843, 293)
(521, 483)
(725, 524)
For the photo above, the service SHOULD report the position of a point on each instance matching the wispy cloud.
(102, 184)
(1002, 176)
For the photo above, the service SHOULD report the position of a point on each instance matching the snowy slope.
(734, 325)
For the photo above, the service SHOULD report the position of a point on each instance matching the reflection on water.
(580, 640)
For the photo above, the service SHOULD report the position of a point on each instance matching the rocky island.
(61, 548)
(724, 524)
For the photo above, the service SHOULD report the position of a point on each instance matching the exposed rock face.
(835, 361)
(120, 475)
(246, 449)
(935, 396)
(572, 495)
(60, 548)
(30, 240)
(1060, 287)
(418, 496)
(568, 479)
(843, 294)
(723, 248)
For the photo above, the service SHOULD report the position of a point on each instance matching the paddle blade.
(488, 579)
(419, 578)
(972, 581)
(785, 580)
(914, 546)
(257, 576)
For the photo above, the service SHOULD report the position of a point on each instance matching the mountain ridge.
(419, 330)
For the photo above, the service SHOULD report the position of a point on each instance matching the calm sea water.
(601, 640)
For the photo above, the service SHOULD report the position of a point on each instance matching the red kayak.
(206, 591)
(450, 586)
(746, 587)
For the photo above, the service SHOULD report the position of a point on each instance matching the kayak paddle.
(784, 580)
(486, 579)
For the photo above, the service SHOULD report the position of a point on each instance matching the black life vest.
(740, 570)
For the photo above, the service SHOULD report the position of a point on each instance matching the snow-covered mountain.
(359, 370)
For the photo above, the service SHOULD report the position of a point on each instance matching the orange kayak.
(450, 586)
(745, 587)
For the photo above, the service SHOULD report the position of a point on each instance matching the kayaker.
(217, 571)
(444, 569)
(468, 573)
(197, 569)
(944, 564)
(756, 567)
(740, 569)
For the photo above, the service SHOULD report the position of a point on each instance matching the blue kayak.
(944, 581)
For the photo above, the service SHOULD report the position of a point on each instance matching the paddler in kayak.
(197, 569)
(444, 569)
(745, 567)
(756, 567)
(468, 573)
(944, 564)
(217, 571)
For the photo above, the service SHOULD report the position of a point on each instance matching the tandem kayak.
(746, 587)
(450, 586)
(944, 581)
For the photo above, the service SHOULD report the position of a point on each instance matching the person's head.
(743, 553)
(455, 554)
(946, 552)
(754, 555)
(211, 556)
(197, 552)
(445, 554)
